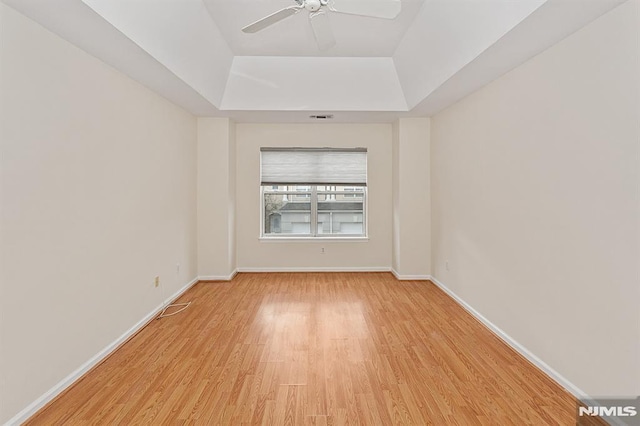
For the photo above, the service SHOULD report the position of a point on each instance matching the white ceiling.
(355, 35)
(294, 84)
(194, 53)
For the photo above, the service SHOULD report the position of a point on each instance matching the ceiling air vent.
(322, 117)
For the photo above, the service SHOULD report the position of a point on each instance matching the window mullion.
(314, 211)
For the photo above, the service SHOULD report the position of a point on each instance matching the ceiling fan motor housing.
(312, 5)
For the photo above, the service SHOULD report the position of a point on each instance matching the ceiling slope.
(447, 35)
(546, 26)
(179, 34)
(80, 25)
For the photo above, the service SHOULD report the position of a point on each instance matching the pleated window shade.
(313, 166)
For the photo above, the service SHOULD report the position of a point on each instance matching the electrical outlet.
(177, 268)
(156, 281)
(446, 264)
(321, 250)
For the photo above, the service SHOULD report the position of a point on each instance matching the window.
(308, 192)
(303, 192)
(351, 192)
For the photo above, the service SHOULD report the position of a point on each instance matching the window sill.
(311, 239)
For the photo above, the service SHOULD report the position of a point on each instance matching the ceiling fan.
(386, 9)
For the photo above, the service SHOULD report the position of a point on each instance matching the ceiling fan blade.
(386, 9)
(272, 19)
(322, 30)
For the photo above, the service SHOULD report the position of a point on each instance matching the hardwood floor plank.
(314, 349)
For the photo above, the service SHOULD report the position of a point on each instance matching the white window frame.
(313, 199)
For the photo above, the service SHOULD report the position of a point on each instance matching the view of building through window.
(313, 210)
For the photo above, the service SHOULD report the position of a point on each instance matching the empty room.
(320, 212)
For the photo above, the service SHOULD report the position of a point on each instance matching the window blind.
(313, 166)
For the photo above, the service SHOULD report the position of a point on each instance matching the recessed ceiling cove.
(355, 36)
(194, 52)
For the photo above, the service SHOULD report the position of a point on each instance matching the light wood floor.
(314, 349)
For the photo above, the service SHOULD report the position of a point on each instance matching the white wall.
(98, 180)
(535, 195)
(255, 254)
(216, 198)
(411, 257)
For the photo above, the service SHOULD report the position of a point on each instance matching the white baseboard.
(557, 377)
(316, 269)
(218, 277)
(410, 277)
(48, 396)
